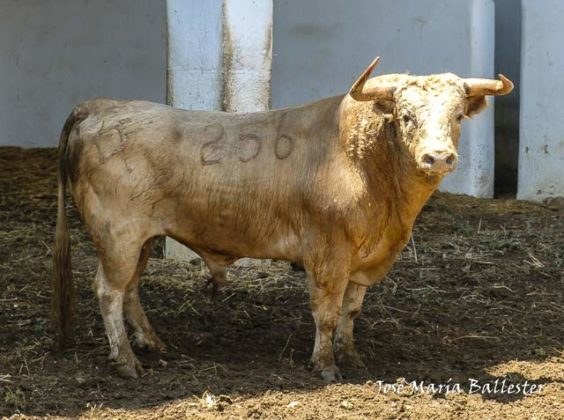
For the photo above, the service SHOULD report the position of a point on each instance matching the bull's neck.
(409, 190)
(390, 174)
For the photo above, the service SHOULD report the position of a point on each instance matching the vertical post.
(475, 173)
(541, 145)
(247, 52)
(219, 58)
(195, 58)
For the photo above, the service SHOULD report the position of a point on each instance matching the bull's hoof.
(215, 288)
(130, 369)
(330, 374)
(350, 359)
(158, 345)
(153, 343)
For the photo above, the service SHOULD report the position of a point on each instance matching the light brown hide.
(335, 185)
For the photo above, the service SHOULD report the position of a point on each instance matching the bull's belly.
(235, 240)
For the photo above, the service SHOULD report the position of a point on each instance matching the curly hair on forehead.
(435, 82)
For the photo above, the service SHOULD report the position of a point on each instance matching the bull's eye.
(459, 117)
(406, 118)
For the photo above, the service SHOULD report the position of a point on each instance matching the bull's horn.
(374, 91)
(482, 87)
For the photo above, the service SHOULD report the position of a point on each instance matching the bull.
(333, 185)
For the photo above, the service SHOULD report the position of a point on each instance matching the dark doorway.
(508, 62)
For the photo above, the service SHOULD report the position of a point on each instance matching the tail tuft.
(63, 301)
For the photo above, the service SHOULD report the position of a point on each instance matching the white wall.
(321, 46)
(57, 53)
(541, 154)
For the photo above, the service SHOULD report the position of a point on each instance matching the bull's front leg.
(327, 280)
(343, 345)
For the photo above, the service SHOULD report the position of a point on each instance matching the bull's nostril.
(439, 161)
(428, 159)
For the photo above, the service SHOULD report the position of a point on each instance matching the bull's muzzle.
(437, 162)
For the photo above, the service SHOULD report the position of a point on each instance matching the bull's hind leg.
(343, 344)
(116, 269)
(144, 335)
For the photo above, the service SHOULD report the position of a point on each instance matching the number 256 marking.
(247, 147)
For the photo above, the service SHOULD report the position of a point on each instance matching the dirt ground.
(477, 296)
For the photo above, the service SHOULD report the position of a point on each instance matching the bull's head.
(427, 111)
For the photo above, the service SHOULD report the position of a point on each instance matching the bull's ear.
(478, 89)
(384, 106)
(476, 104)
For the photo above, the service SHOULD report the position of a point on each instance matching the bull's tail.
(63, 300)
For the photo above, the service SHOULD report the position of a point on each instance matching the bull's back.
(222, 181)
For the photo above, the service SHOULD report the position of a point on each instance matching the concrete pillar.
(219, 58)
(475, 173)
(247, 43)
(541, 146)
(195, 54)
(322, 45)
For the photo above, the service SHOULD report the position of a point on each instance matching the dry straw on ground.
(478, 293)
